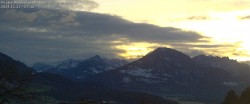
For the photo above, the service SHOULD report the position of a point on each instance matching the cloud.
(245, 17)
(86, 4)
(50, 34)
(83, 5)
(206, 48)
(14, 15)
(198, 18)
(193, 18)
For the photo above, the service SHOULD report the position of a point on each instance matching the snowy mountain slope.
(167, 72)
(78, 69)
(63, 64)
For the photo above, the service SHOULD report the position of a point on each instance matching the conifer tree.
(245, 96)
(231, 98)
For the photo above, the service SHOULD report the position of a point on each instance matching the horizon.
(127, 29)
(129, 60)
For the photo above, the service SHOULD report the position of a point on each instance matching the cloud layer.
(50, 34)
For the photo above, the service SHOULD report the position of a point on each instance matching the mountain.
(19, 85)
(7, 63)
(78, 69)
(14, 77)
(163, 72)
(13, 70)
(219, 62)
(169, 73)
(239, 70)
(64, 64)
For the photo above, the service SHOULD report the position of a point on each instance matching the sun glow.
(222, 21)
(224, 28)
(136, 50)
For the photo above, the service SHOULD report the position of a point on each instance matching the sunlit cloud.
(198, 18)
(82, 34)
(137, 49)
(78, 5)
(244, 17)
(225, 21)
(112, 29)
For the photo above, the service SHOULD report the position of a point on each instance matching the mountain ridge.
(78, 69)
(51, 88)
(163, 72)
(167, 72)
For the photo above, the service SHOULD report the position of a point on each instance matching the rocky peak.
(96, 57)
(167, 55)
(216, 61)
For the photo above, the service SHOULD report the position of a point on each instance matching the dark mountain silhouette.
(167, 72)
(14, 78)
(240, 70)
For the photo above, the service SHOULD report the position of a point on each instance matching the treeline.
(233, 98)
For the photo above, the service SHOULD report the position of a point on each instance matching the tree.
(231, 98)
(245, 96)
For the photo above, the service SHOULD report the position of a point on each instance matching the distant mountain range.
(78, 69)
(163, 72)
(49, 88)
(14, 76)
(13, 70)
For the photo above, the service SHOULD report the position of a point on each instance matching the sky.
(129, 29)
